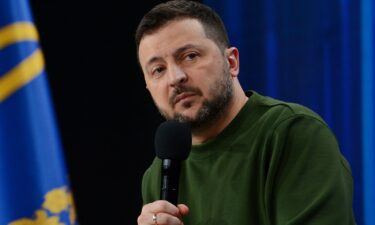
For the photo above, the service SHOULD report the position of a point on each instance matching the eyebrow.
(175, 53)
(183, 48)
(152, 60)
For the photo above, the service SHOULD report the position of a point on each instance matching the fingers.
(165, 213)
(167, 219)
(161, 206)
(184, 210)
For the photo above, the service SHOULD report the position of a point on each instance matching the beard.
(211, 109)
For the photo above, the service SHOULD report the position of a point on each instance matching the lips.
(182, 96)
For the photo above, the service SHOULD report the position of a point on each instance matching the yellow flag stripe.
(16, 32)
(21, 74)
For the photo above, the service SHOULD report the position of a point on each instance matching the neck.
(215, 128)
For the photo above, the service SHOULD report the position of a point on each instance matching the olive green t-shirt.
(276, 163)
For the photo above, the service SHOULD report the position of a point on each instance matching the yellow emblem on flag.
(56, 201)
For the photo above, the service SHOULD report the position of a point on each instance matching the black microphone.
(172, 146)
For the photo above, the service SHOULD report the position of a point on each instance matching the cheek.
(159, 95)
(208, 74)
(206, 84)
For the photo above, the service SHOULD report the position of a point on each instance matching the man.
(255, 160)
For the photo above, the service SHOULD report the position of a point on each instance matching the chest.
(224, 190)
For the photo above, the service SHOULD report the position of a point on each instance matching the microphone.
(172, 146)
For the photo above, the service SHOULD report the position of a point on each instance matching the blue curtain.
(320, 54)
(34, 187)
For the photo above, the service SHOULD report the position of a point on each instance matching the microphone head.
(173, 140)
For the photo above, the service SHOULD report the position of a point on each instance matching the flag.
(34, 185)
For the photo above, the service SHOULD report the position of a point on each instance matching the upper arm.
(310, 183)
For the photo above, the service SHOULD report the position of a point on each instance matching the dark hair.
(163, 13)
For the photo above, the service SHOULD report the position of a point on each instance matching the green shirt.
(276, 163)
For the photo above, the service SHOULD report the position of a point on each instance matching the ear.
(233, 58)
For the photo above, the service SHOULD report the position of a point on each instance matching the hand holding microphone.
(162, 212)
(172, 146)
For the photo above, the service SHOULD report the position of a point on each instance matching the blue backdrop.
(320, 54)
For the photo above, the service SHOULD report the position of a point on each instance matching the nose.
(176, 76)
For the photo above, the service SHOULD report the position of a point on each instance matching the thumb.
(184, 210)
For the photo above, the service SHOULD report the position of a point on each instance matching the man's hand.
(162, 213)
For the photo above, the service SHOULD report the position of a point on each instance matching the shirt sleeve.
(151, 182)
(311, 181)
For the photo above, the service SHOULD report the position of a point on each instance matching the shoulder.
(283, 123)
(151, 181)
(297, 132)
(280, 112)
(152, 171)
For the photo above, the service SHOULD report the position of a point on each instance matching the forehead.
(172, 35)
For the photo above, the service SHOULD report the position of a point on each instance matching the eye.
(190, 56)
(157, 71)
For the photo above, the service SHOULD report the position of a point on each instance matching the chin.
(185, 116)
(189, 116)
(190, 112)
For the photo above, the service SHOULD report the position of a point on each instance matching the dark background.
(105, 115)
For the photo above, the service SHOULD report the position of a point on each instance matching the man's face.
(186, 73)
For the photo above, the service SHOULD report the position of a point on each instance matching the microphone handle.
(170, 174)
